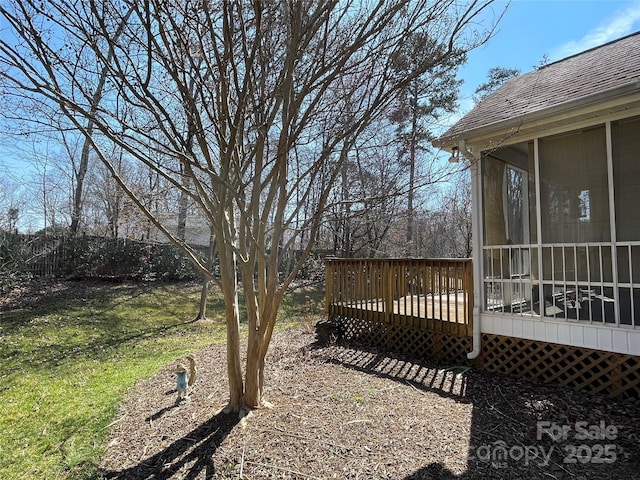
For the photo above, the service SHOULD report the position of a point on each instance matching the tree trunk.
(229, 281)
(202, 312)
(234, 370)
(257, 347)
(86, 146)
(413, 140)
(183, 206)
(410, 194)
(254, 371)
(346, 213)
(79, 185)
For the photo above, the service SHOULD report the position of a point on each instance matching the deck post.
(328, 282)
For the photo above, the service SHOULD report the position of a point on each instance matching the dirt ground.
(346, 413)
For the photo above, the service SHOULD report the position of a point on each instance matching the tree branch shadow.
(505, 418)
(421, 375)
(194, 453)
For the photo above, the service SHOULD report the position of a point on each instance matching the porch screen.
(506, 205)
(573, 187)
(495, 231)
(625, 136)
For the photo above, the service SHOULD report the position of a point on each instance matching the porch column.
(476, 239)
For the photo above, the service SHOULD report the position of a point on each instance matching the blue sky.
(531, 29)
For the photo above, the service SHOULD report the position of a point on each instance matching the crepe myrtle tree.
(213, 96)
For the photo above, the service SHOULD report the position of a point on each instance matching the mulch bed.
(347, 413)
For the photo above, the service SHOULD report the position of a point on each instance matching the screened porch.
(561, 226)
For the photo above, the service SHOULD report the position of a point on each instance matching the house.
(555, 161)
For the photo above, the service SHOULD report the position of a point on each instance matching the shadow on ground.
(504, 436)
(191, 454)
(49, 322)
(515, 425)
(435, 471)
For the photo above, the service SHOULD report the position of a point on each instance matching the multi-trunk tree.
(245, 107)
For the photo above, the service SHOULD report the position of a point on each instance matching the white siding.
(618, 340)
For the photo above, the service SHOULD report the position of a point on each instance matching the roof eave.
(450, 141)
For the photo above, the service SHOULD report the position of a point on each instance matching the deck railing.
(428, 294)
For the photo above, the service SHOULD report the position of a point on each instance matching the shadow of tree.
(67, 320)
(421, 375)
(44, 295)
(505, 439)
(192, 454)
(164, 410)
(50, 355)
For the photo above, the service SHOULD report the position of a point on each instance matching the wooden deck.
(424, 294)
(439, 307)
(424, 308)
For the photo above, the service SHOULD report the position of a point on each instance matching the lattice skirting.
(596, 371)
(435, 346)
(607, 373)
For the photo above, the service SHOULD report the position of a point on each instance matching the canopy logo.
(499, 454)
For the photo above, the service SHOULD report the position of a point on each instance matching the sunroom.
(579, 258)
(555, 159)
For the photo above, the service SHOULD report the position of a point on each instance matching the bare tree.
(419, 106)
(104, 202)
(446, 227)
(365, 203)
(221, 93)
(12, 203)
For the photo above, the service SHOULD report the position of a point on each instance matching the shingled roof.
(606, 68)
